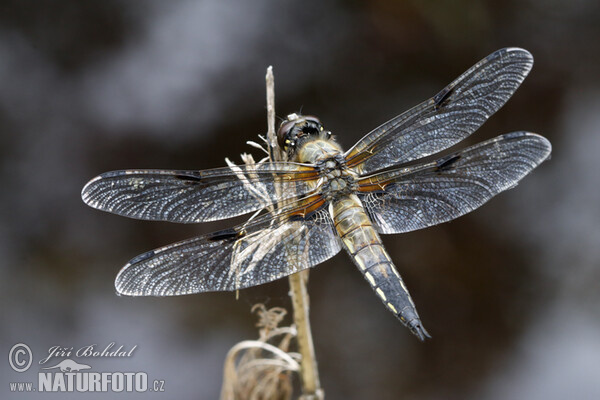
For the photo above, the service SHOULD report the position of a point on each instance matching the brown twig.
(311, 386)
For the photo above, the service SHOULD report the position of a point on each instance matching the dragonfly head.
(297, 129)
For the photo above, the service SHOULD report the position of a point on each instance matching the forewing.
(416, 197)
(248, 255)
(197, 196)
(447, 118)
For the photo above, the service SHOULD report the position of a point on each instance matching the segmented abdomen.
(364, 246)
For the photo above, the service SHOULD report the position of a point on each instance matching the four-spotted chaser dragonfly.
(325, 199)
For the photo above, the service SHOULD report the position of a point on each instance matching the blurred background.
(510, 292)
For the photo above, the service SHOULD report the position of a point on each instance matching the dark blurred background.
(510, 293)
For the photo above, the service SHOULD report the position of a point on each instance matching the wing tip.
(120, 282)
(124, 276)
(136, 280)
(542, 142)
(522, 56)
(516, 50)
(86, 191)
(511, 49)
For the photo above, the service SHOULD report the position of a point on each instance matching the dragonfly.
(323, 199)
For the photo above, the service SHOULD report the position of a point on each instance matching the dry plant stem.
(311, 387)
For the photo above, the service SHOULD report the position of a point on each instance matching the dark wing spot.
(296, 217)
(188, 178)
(445, 164)
(226, 234)
(142, 257)
(442, 99)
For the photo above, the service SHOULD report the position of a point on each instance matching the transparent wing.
(416, 197)
(265, 250)
(447, 118)
(197, 196)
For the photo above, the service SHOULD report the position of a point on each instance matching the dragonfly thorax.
(337, 179)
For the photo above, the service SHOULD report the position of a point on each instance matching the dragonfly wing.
(252, 254)
(197, 196)
(406, 199)
(447, 118)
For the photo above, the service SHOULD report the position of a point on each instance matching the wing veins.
(411, 198)
(445, 119)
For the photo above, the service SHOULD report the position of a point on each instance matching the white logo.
(20, 357)
(70, 376)
(69, 366)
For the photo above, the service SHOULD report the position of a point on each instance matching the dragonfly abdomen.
(364, 246)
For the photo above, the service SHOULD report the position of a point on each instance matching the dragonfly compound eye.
(284, 134)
